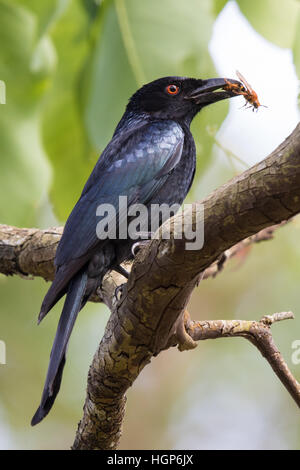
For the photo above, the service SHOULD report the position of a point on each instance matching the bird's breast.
(179, 181)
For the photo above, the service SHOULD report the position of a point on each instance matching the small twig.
(263, 235)
(229, 154)
(259, 333)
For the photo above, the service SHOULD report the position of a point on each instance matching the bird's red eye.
(172, 89)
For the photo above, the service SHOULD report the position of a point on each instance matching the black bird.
(151, 159)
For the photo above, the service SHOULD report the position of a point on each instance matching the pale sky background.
(235, 45)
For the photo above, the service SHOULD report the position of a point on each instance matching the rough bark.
(30, 252)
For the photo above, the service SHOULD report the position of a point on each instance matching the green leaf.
(218, 6)
(70, 26)
(25, 173)
(47, 12)
(65, 138)
(276, 20)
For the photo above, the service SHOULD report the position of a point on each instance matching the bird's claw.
(137, 246)
(118, 292)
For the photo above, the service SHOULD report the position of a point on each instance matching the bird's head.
(178, 98)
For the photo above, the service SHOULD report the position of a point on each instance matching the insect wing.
(244, 82)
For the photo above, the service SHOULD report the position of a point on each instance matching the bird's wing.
(135, 166)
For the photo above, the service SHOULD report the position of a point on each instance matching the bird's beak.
(206, 93)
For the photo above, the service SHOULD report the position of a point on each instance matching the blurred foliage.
(24, 170)
(98, 56)
(218, 6)
(70, 67)
(296, 47)
(79, 62)
(273, 19)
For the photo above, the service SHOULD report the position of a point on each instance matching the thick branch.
(30, 252)
(162, 279)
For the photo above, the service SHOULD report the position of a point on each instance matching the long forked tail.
(72, 306)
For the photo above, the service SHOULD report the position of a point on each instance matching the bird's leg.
(134, 250)
(118, 291)
(122, 271)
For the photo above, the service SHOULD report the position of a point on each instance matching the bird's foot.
(185, 341)
(119, 289)
(118, 292)
(146, 237)
(136, 247)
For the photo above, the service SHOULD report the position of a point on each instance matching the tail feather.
(63, 276)
(72, 306)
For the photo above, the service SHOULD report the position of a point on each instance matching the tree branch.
(258, 333)
(149, 315)
(30, 252)
(163, 277)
